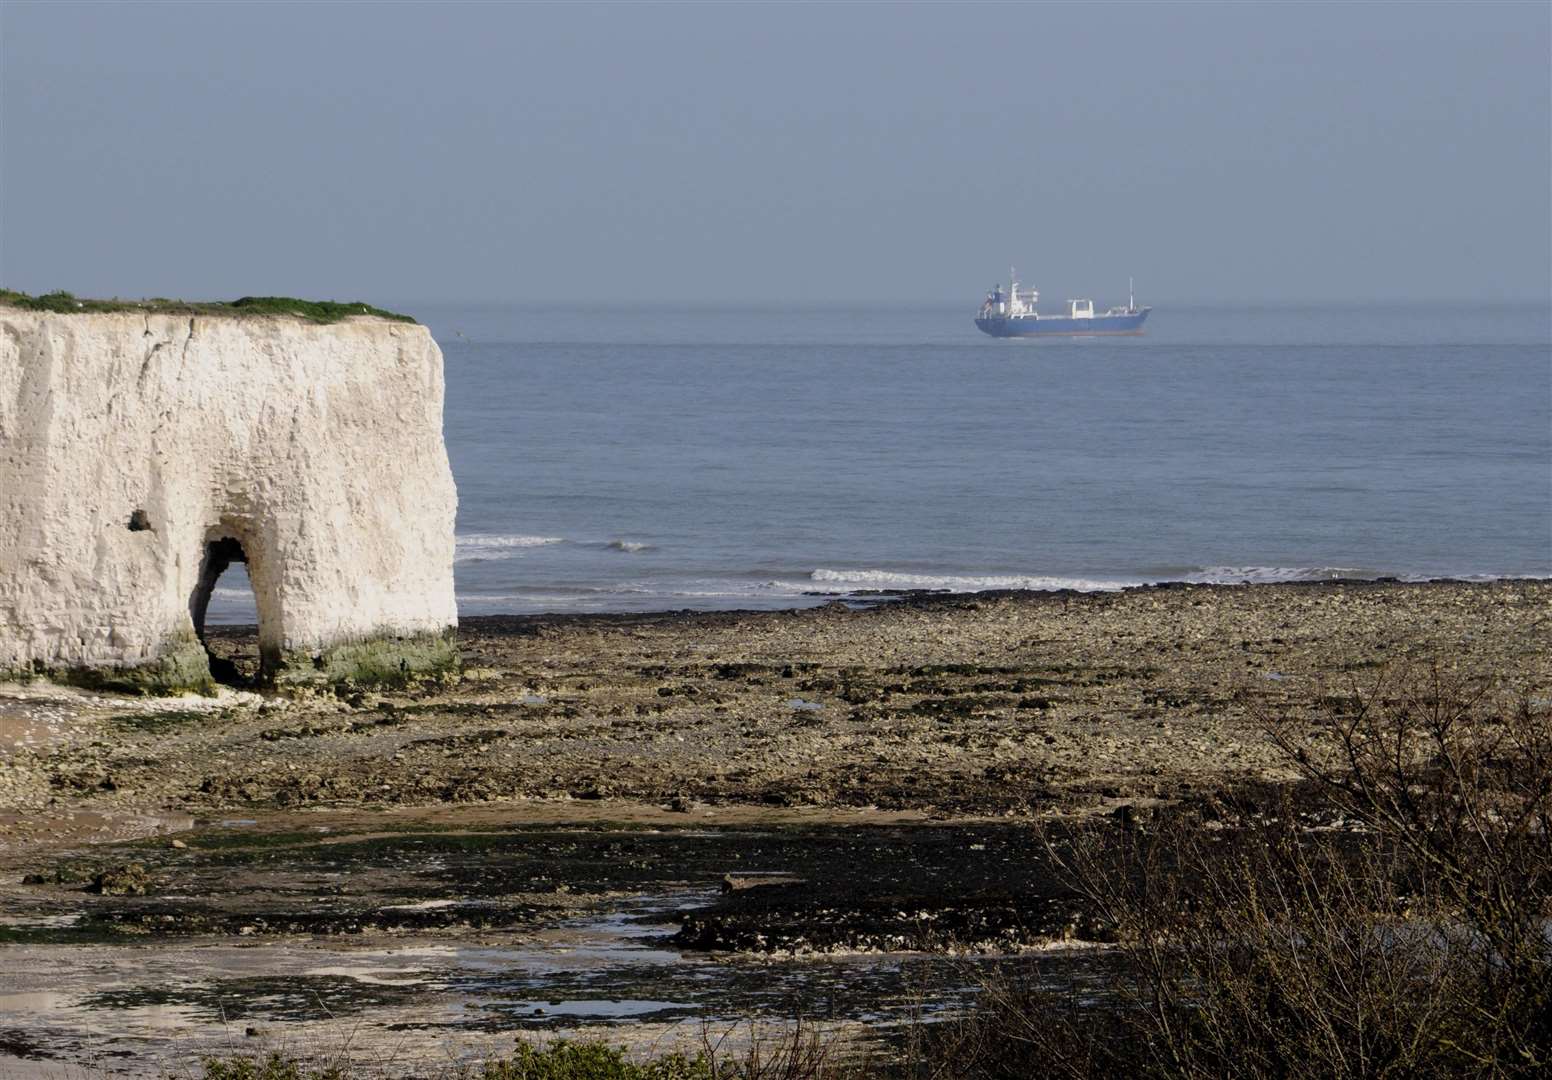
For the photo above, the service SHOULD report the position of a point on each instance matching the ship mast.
(1131, 296)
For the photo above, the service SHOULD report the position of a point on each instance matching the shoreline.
(862, 598)
(926, 596)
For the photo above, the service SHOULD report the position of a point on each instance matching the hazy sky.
(821, 152)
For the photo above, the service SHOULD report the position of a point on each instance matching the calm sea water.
(653, 459)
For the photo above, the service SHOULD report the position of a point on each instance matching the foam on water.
(1256, 575)
(1211, 575)
(889, 579)
(1263, 575)
(645, 595)
(499, 546)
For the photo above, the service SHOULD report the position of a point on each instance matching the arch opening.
(226, 618)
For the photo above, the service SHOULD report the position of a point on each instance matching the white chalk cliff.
(141, 452)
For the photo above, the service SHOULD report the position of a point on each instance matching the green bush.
(591, 1061)
(273, 1067)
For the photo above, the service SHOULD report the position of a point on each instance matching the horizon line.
(767, 304)
(795, 303)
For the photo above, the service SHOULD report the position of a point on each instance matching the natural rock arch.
(218, 557)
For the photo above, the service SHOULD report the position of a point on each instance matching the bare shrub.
(1456, 776)
(1387, 916)
(800, 1050)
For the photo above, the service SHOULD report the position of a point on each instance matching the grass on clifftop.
(318, 311)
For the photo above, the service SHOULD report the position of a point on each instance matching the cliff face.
(141, 453)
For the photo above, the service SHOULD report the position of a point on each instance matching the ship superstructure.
(1014, 313)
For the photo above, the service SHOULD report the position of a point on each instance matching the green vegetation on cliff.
(180, 668)
(385, 662)
(318, 311)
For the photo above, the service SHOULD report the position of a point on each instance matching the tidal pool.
(447, 944)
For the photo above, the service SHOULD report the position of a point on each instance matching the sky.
(777, 153)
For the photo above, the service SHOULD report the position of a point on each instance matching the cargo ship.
(1012, 314)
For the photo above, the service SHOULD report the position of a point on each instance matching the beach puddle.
(41, 922)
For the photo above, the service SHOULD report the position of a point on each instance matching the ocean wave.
(630, 546)
(750, 589)
(1271, 575)
(654, 591)
(485, 599)
(1211, 575)
(889, 579)
(710, 589)
(499, 546)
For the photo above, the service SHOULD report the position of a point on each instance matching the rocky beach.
(674, 819)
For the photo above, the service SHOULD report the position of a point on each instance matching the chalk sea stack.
(144, 450)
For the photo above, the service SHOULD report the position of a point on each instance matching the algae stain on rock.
(379, 663)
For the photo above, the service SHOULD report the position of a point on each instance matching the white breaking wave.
(888, 579)
(631, 546)
(496, 546)
(1263, 575)
(1266, 575)
(644, 595)
(1211, 575)
(752, 589)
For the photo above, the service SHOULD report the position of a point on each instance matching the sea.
(647, 459)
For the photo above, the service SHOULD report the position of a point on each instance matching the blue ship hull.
(1061, 326)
